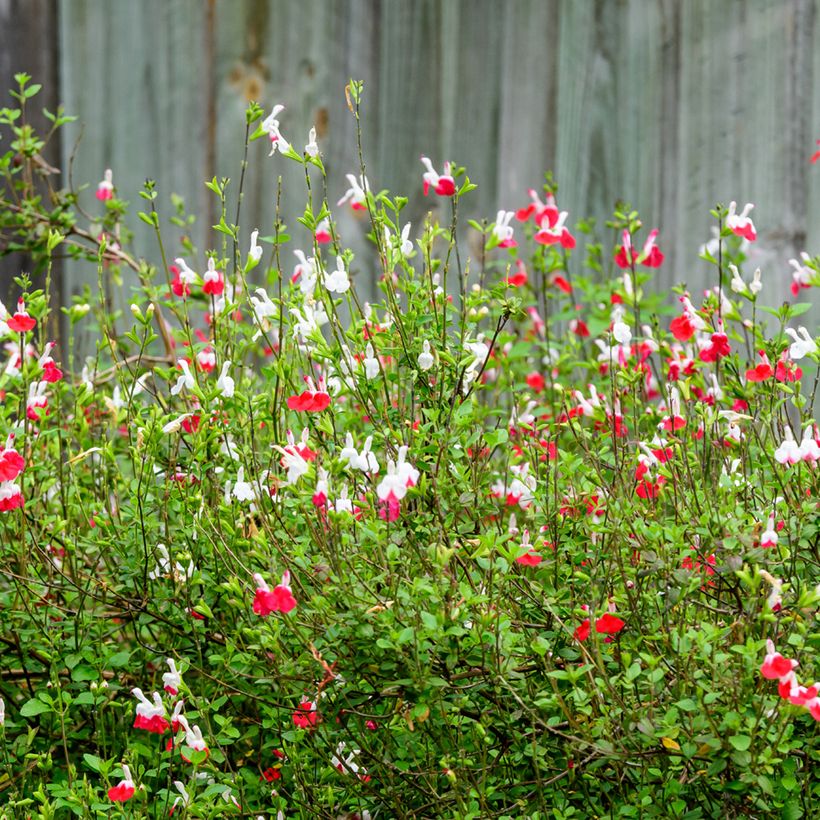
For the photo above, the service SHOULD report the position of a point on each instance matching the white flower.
(305, 273)
(271, 125)
(371, 363)
(186, 275)
(312, 148)
(756, 286)
(737, 283)
(185, 379)
(2, 712)
(809, 449)
(225, 384)
(255, 252)
(355, 460)
(343, 503)
(183, 795)
(174, 425)
(502, 230)
(803, 344)
(337, 281)
(356, 194)
(789, 451)
(622, 333)
(242, 490)
(171, 680)
(425, 359)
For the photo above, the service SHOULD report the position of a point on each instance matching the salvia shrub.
(520, 538)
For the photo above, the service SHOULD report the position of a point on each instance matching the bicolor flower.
(183, 798)
(51, 373)
(650, 256)
(503, 231)
(528, 556)
(556, 234)
(541, 211)
(105, 187)
(125, 789)
(11, 497)
(213, 282)
(802, 275)
(150, 716)
(171, 680)
(306, 716)
(356, 194)
(323, 233)
(278, 599)
(271, 126)
(11, 462)
(443, 185)
(740, 224)
(810, 445)
(37, 401)
(769, 536)
(20, 321)
(313, 400)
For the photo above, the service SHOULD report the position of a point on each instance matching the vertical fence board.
(671, 106)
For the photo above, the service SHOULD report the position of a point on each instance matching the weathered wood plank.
(28, 40)
(672, 106)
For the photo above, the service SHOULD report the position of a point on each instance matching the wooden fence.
(673, 105)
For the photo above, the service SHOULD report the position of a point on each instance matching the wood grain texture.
(673, 106)
(28, 40)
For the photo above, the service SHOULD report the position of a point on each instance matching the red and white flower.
(105, 188)
(740, 224)
(278, 599)
(20, 321)
(125, 789)
(356, 194)
(443, 185)
(557, 233)
(150, 716)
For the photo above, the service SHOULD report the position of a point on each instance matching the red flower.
(280, 599)
(562, 284)
(519, 278)
(312, 400)
(787, 370)
(609, 624)
(775, 665)
(213, 281)
(582, 631)
(762, 372)
(717, 348)
(21, 322)
(306, 716)
(536, 382)
(682, 328)
(11, 462)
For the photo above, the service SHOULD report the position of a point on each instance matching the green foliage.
(562, 610)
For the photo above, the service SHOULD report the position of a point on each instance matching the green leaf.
(740, 742)
(92, 761)
(34, 707)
